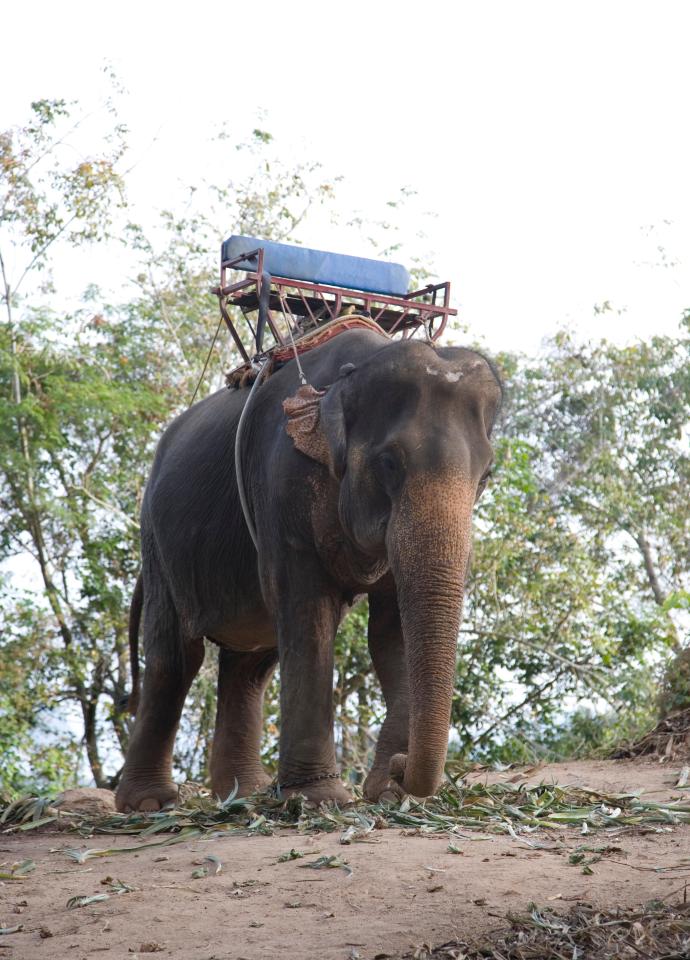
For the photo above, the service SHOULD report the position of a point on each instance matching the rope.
(238, 454)
(208, 357)
(303, 379)
(289, 322)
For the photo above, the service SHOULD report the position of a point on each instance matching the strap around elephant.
(302, 783)
(238, 456)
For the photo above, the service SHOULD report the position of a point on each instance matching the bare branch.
(39, 253)
(574, 665)
(646, 550)
(107, 506)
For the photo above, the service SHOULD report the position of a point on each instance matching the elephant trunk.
(429, 543)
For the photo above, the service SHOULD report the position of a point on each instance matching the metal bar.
(353, 294)
(266, 277)
(275, 331)
(419, 293)
(326, 306)
(368, 296)
(398, 322)
(264, 292)
(231, 327)
(249, 323)
(232, 263)
(376, 318)
(444, 321)
(412, 311)
(382, 313)
(311, 315)
(249, 282)
(284, 300)
(429, 288)
(229, 264)
(356, 295)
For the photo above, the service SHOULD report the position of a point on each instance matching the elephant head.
(406, 435)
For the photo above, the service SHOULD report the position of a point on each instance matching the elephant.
(362, 483)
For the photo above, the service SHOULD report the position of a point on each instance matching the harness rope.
(208, 357)
(238, 453)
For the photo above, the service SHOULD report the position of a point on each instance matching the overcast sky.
(550, 139)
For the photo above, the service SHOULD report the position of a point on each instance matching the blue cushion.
(317, 266)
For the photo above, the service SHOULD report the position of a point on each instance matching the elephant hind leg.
(172, 662)
(236, 752)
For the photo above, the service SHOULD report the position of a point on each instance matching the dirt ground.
(403, 891)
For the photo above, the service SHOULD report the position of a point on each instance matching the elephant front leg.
(236, 753)
(307, 625)
(387, 650)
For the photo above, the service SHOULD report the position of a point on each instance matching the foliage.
(577, 599)
(75, 449)
(358, 707)
(52, 419)
(84, 399)
(25, 694)
(461, 805)
(45, 196)
(580, 541)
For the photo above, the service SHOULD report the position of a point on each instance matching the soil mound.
(657, 932)
(669, 740)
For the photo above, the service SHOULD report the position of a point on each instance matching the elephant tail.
(134, 621)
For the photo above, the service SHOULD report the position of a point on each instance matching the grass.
(459, 808)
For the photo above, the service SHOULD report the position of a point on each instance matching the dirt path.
(403, 891)
(656, 780)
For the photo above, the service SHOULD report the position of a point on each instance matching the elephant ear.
(316, 423)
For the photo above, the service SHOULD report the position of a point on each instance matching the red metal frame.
(304, 305)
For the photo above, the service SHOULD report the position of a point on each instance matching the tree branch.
(646, 550)
(533, 695)
(107, 506)
(522, 642)
(39, 253)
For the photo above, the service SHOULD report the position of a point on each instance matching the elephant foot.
(246, 783)
(145, 796)
(321, 791)
(379, 788)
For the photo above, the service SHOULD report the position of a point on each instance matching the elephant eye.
(388, 471)
(388, 463)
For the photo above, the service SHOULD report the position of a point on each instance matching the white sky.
(547, 137)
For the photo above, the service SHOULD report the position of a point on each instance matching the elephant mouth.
(350, 563)
(372, 544)
(366, 534)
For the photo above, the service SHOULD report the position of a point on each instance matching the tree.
(580, 576)
(620, 463)
(85, 399)
(46, 199)
(582, 544)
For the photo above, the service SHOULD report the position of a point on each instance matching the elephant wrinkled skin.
(363, 485)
